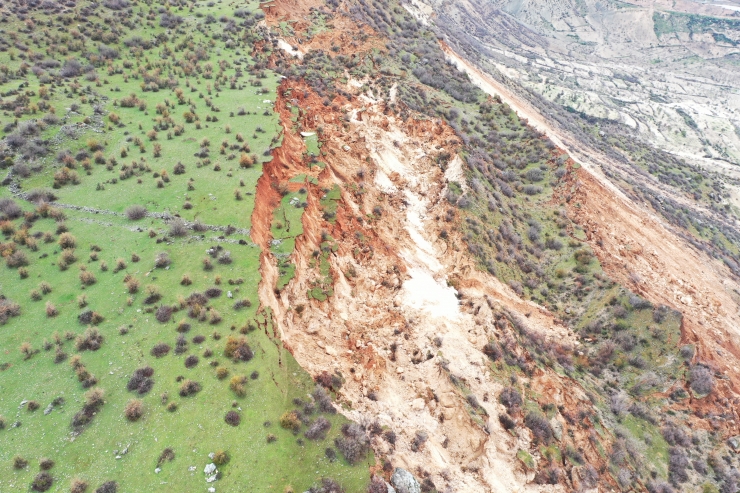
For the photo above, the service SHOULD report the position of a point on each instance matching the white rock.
(229, 295)
(211, 479)
(157, 470)
(211, 490)
(191, 468)
(211, 455)
(210, 468)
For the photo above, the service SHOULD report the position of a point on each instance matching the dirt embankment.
(410, 313)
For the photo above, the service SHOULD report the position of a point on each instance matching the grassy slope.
(197, 427)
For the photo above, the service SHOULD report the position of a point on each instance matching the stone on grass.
(210, 468)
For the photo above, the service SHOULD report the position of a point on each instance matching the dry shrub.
(354, 443)
(42, 482)
(191, 361)
(78, 486)
(134, 410)
(238, 349)
(87, 278)
(290, 421)
(238, 385)
(189, 387)
(90, 340)
(318, 429)
(136, 212)
(51, 309)
(66, 240)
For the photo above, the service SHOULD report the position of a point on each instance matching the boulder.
(405, 482)
(210, 469)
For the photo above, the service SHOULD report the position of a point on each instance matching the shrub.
(16, 259)
(318, 429)
(162, 260)
(66, 240)
(132, 285)
(221, 458)
(323, 400)
(492, 351)
(32, 405)
(191, 361)
(232, 418)
(90, 340)
(189, 387)
(42, 482)
(181, 345)
(178, 227)
(237, 385)
(506, 422)
(141, 380)
(78, 486)
(160, 350)
(354, 443)
(136, 212)
(540, 427)
(289, 420)
(511, 399)
(420, 438)
(19, 462)
(213, 292)
(701, 380)
(167, 455)
(238, 349)
(87, 278)
(134, 410)
(164, 313)
(108, 487)
(222, 372)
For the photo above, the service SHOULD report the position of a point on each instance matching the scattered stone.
(210, 469)
(405, 482)
(211, 479)
(192, 468)
(157, 470)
